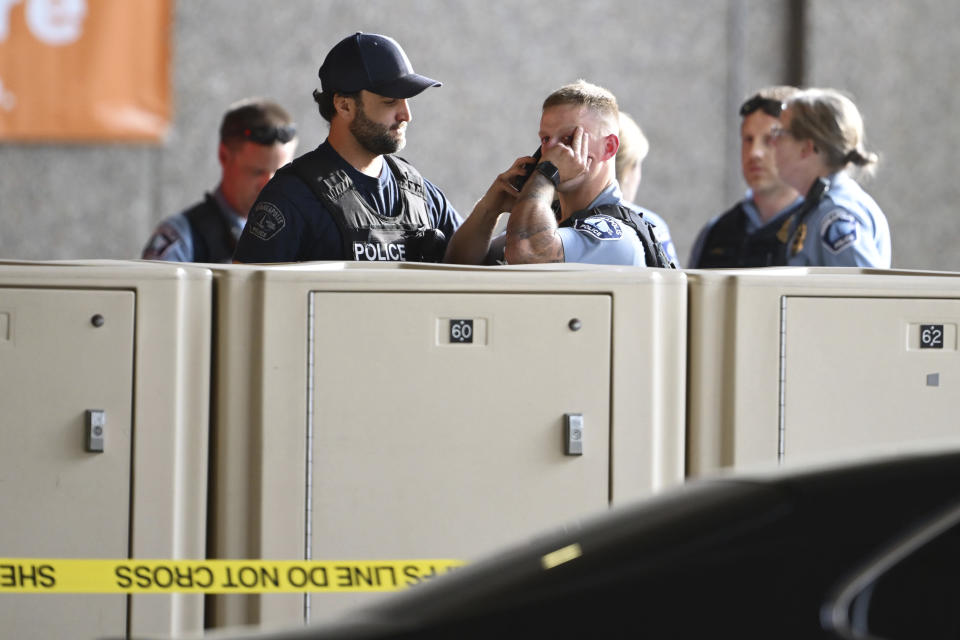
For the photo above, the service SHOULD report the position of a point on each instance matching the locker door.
(893, 372)
(481, 463)
(63, 352)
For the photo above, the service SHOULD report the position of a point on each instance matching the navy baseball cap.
(372, 62)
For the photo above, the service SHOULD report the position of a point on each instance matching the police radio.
(431, 244)
(518, 181)
(798, 228)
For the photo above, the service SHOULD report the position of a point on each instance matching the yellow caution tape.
(45, 575)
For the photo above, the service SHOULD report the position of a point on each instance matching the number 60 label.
(461, 331)
(931, 336)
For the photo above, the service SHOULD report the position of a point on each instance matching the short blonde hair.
(832, 121)
(584, 94)
(634, 146)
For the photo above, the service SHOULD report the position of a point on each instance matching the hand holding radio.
(520, 180)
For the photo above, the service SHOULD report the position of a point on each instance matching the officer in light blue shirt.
(844, 228)
(257, 137)
(839, 224)
(175, 237)
(602, 239)
(578, 144)
(631, 153)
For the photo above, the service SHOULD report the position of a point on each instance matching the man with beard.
(754, 231)
(351, 199)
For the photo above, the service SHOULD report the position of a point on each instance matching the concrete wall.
(681, 68)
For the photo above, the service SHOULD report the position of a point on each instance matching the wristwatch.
(549, 171)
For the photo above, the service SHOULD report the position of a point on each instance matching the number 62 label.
(931, 336)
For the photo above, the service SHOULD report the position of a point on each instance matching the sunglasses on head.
(269, 135)
(769, 106)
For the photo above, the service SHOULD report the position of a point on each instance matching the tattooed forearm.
(532, 227)
(528, 232)
(557, 253)
(534, 245)
(541, 193)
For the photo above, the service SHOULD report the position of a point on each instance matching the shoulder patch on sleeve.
(838, 230)
(266, 221)
(160, 243)
(601, 227)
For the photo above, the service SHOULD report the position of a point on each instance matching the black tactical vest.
(653, 252)
(213, 239)
(367, 235)
(727, 244)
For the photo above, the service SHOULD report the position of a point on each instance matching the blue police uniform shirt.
(602, 239)
(754, 222)
(308, 231)
(847, 229)
(172, 240)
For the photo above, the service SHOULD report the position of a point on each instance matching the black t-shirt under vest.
(653, 252)
(367, 235)
(213, 239)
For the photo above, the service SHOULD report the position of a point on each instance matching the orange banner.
(85, 70)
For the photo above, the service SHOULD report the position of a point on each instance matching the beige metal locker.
(787, 364)
(408, 411)
(104, 389)
(887, 369)
(60, 499)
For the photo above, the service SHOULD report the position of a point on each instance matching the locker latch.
(96, 423)
(573, 434)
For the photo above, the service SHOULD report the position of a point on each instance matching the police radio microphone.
(817, 190)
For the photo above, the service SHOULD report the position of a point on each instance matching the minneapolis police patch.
(600, 227)
(838, 230)
(265, 221)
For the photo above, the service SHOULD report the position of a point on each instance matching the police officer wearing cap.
(839, 225)
(753, 232)
(351, 198)
(257, 137)
(591, 222)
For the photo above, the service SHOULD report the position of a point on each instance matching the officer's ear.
(223, 154)
(611, 143)
(345, 105)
